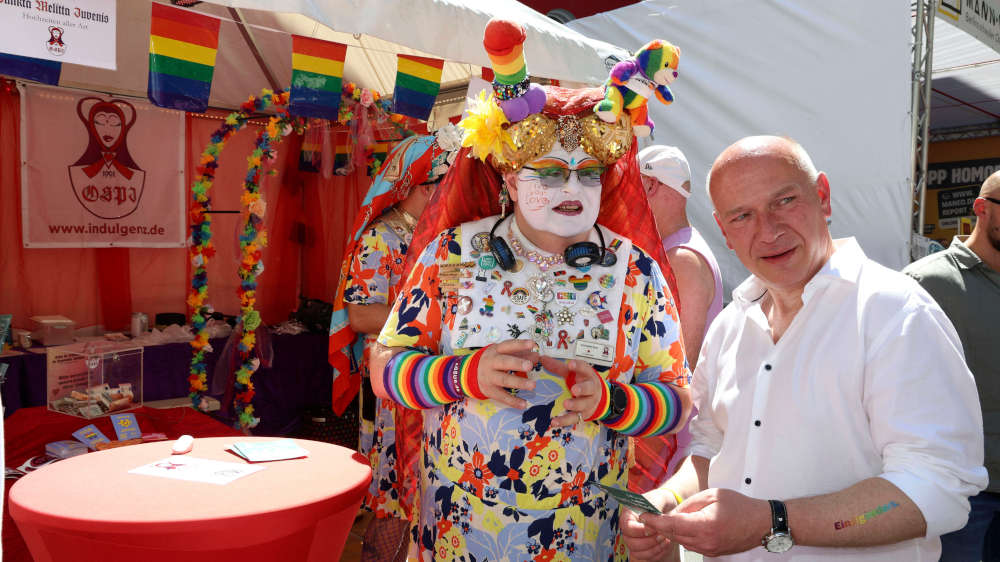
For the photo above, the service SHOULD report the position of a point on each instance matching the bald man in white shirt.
(837, 418)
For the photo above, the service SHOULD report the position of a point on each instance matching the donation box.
(93, 379)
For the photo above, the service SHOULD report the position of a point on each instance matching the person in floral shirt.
(373, 267)
(535, 342)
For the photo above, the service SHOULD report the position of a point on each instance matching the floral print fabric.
(377, 266)
(499, 483)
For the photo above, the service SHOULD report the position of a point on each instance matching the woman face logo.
(108, 127)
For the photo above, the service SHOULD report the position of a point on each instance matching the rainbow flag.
(418, 81)
(39, 70)
(311, 153)
(317, 72)
(182, 48)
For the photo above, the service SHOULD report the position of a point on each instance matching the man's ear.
(823, 192)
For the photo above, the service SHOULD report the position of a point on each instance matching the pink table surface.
(90, 508)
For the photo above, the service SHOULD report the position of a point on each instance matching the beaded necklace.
(543, 260)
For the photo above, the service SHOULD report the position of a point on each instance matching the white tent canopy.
(966, 80)
(833, 75)
(374, 32)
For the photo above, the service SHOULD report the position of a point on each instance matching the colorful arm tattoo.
(420, 381)
(652, 408)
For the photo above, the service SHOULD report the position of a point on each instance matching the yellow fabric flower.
(484, 128)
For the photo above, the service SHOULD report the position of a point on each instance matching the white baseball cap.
(667, 164)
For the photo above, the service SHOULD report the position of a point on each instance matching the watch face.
(619, 400)
(779, 542)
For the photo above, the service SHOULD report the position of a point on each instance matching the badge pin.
(494, 334)
(519, 296)
(460, 342)
(597, 301)
(487, 308)
(565, 316)
(487, 262)
(481, 242)
(464, 305)
(607, 281)
(579, 283)
(605, 316)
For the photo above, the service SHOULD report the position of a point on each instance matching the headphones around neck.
(578, 255)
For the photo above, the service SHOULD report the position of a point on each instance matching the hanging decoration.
(252, 240)
(182, 49)
(39, 70)
(418, 82)
(317, 72)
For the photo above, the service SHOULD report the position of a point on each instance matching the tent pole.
(252, 45)
(923, 50)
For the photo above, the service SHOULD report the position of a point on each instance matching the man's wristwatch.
(780, 537)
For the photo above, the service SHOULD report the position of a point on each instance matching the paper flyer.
(182, 467)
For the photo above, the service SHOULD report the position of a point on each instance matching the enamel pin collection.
(569, 312)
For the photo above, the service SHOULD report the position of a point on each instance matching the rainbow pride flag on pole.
(317, 73)
(182, 48)
(418, 81)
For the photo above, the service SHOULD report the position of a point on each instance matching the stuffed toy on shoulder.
(635, 80)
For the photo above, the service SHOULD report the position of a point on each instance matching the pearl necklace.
(543, 260)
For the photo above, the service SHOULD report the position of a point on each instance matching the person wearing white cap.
(666, 176)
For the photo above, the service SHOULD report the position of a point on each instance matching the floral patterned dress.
(377, 266)
(499, 483)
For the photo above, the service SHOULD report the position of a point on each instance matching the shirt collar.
(966, 258)
(844, 264)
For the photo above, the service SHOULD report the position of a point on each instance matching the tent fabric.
(834, 76)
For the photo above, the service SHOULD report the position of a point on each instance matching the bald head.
(762, 146)
(991, 187)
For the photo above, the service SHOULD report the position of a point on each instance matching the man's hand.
(644, 542)
(504, 366)
(584, 384)
(714, 522)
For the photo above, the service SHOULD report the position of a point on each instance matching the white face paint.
(565, 211)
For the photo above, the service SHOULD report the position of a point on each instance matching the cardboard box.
(94, 379)
(53, 330)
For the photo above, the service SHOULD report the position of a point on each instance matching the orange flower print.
(443, 527)
(476, 473)
(574, 489)
(546, 555)
(553, 455)
(537, 444)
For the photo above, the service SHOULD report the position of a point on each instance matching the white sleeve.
(706, 436)
(924, 413)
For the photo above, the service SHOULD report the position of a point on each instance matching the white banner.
(978, 18)
(76, 31)
(99, 171)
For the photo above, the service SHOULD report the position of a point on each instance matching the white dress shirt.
(868, 380)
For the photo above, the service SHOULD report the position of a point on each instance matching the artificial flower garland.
(252, 240)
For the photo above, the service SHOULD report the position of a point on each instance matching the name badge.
(595, 352)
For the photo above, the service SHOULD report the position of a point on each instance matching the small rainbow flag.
(418, 81)
(182, 48)
(317, 72)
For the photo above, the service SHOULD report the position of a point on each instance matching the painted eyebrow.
(552, 161)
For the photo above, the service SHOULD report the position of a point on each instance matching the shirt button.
(767, 366)
(746, 480)
(757, 423)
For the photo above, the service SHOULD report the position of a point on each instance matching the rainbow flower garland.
(252, 240)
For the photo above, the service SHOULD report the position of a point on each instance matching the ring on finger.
(579, 416)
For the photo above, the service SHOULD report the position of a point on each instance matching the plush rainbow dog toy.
(635, 80)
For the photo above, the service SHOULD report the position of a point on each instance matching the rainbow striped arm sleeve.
(652, 408)
(420, 381)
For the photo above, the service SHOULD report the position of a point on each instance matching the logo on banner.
(105, 179)
(55, 43)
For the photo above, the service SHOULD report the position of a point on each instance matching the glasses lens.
(590, 176)
(553, 176)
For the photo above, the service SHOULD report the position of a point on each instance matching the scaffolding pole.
(920, 107)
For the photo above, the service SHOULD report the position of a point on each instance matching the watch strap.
(779, 517)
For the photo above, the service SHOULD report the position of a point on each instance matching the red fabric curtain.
(100, 286)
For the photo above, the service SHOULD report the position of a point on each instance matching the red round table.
(90, 508)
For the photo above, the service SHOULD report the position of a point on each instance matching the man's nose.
(572, 184)
(770, 228)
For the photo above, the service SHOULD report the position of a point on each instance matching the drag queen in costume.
(535, 342)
